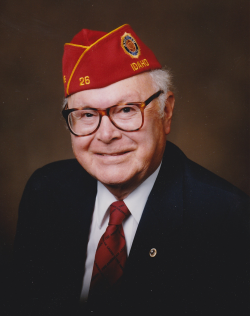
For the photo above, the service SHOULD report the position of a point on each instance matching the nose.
(107, 132)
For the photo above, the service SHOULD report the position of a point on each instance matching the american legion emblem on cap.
(130, 46)
(95, 59)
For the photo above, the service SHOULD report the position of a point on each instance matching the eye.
(126, 109)
(88, 114)
(125, 112)
(84, 114)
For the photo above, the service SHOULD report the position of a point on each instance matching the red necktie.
(111, 253)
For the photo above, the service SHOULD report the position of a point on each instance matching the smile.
(114, 154)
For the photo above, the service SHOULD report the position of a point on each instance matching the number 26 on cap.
(84, 80)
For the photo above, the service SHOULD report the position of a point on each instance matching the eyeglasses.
(127, 117)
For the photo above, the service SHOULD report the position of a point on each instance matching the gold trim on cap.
(77, 63)
(77, 45)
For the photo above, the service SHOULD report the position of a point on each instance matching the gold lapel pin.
(152, 252)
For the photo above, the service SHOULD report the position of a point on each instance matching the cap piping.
(77, 45)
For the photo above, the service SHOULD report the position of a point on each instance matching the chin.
(113, 180)
(114, 177)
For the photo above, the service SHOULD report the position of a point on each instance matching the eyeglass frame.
(140, 105)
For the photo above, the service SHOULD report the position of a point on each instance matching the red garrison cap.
(95, 59)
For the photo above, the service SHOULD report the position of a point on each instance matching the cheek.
(80, 145)
(154, 132)
(153, 142)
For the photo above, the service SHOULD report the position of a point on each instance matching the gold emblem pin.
(152, 252)
(130, 46)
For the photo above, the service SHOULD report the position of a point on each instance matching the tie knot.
(118, 212)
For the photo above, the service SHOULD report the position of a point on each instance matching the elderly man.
(131, 226)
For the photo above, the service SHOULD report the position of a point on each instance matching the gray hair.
(65, 102)
(162, 80)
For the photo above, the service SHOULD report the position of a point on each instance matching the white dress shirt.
(135, 202)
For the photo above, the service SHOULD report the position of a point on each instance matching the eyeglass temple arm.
(154, 96)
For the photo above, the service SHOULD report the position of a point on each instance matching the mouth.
(113, 154)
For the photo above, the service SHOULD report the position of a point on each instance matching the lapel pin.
(152, 252)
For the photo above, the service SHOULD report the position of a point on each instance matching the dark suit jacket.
(198, 222)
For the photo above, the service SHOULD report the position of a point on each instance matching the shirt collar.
(135, 201)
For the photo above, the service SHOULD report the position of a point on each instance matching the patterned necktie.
(111, 253)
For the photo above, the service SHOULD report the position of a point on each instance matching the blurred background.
(204, 43)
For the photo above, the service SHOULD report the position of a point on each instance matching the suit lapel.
(163, 213)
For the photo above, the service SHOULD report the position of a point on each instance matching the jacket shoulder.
(200, 178)
(63, 173)
(57, 168)
(57, 187)
(203, 190)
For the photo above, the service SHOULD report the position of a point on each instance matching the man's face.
(118, 159)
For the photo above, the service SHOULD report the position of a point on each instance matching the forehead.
(137, 88)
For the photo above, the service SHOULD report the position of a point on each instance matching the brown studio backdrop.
(204, 43)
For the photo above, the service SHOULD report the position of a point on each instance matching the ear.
(168, 111)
